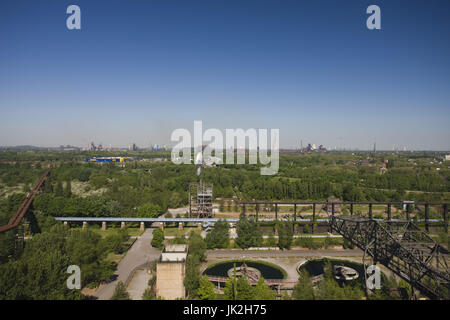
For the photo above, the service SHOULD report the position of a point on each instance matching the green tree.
(205, 290)
(197, 249)
(197, 246)
(219, 236)
(158, 238)
(115, 241)
(238, 289)
(86, 249)
(149, 210)
(98, 181)
(148, 294)
(59, 191)
(40, 273)
(248, 233)
(7, 245)
(244, 289)
(285, 235)
(192, 277)
(303, 290)
(263, 292)
(68, 189)
(113, 208)
(120, 293)
(271, 241)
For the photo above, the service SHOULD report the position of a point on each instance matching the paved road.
(283, 253)
(140, 253)
(176, 211)
(138, 284)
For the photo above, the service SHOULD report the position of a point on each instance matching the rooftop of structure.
(174, 253)
(175, 248)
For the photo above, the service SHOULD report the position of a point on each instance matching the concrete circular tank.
(251, 268)
(343, 270)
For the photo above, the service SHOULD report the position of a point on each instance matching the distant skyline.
(137, 70)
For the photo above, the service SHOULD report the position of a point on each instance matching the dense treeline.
(40, 271)
(147, 189)
(348, 184)
(137, 190)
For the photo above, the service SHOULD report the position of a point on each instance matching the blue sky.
(139, 69)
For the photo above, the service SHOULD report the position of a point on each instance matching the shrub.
(158, 238)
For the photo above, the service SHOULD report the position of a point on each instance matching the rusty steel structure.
(403, 248)
(333, 207)
(398, 244)
(23, 208)
(200, 200)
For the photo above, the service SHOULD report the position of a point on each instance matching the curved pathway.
(139, 254)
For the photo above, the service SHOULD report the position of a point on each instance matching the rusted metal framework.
(200, 200)
(285, 284)
(403, 248)
(23, 208)
(333, 208)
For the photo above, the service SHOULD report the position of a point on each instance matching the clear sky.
(139, 69)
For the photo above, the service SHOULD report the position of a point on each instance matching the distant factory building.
(107, 159)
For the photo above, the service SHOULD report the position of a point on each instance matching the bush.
(347, 244)
(98, 181)
(248, 233)
(120, 292)
(218, 237)
(115, 242)
(306, 228)
(149, 210)
(307, 242)
(285, 235)
(148, 294)
(158, 238)
(330, 242)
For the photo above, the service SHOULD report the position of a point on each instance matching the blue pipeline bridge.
(201, 222)
(330, 207)
(142, 221)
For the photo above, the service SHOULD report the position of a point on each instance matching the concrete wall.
(169, 280)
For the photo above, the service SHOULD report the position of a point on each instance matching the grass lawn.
(180, 232)
(104, 233)
(115, 257)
